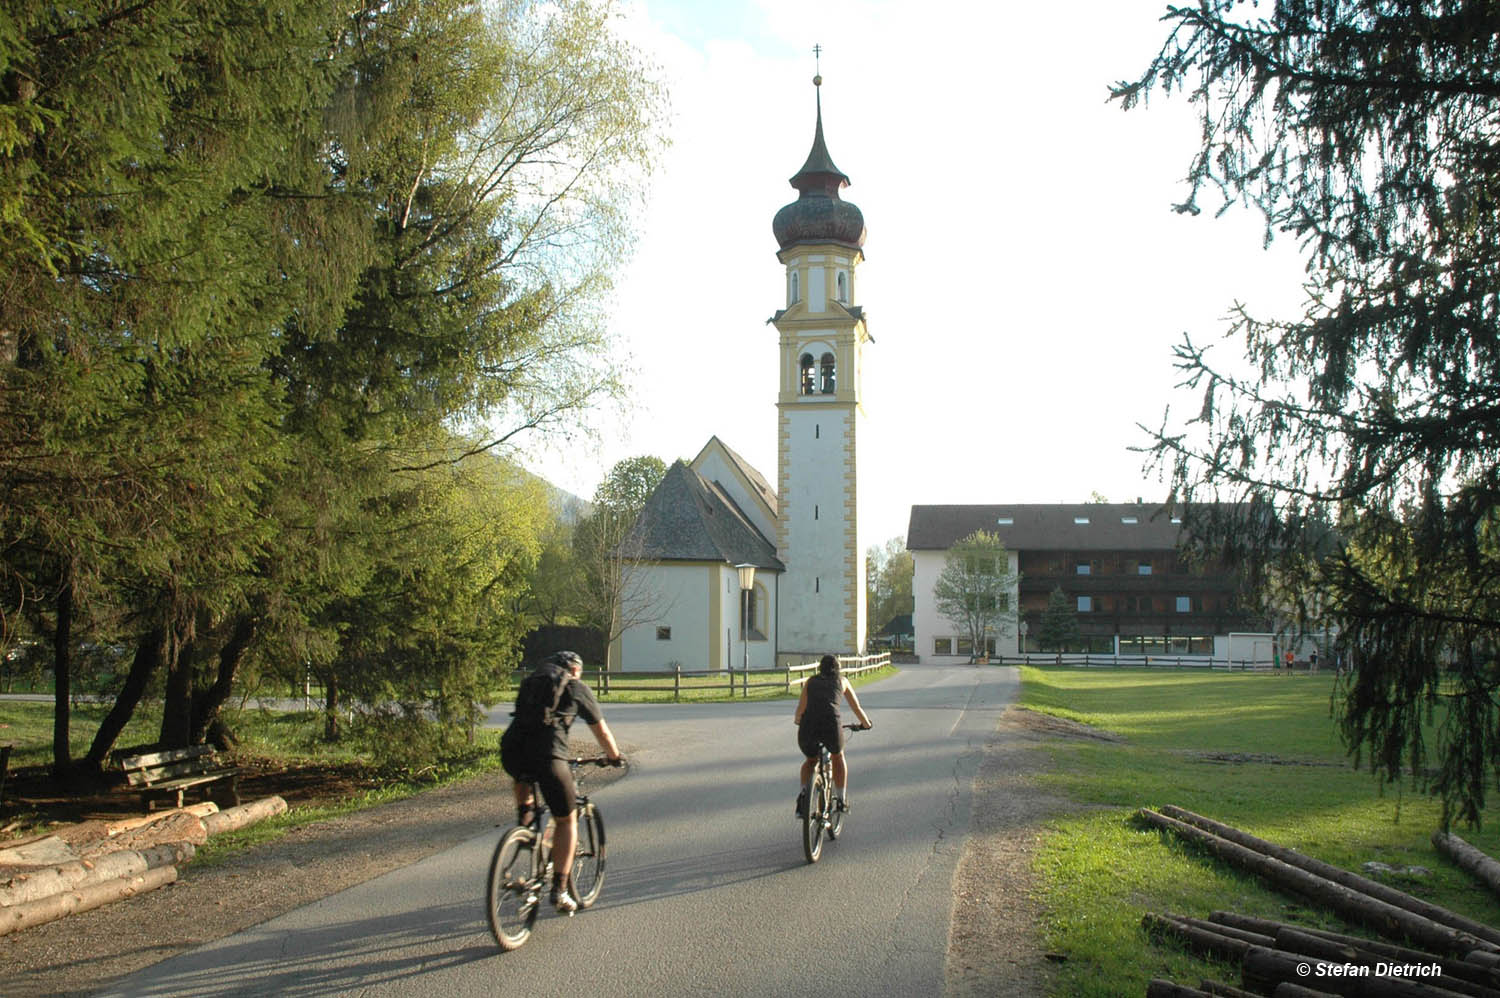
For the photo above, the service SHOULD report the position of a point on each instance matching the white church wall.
(700, 612)
(760, 650)
(684, 595)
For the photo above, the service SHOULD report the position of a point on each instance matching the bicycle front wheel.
(835, 817)
(588, 860)
(515, 888)
(812, 820)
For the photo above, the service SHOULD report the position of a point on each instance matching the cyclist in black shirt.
(818, 721)
(534, 748)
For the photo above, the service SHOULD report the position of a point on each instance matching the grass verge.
(1259, 752)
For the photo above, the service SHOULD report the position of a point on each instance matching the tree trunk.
(207, 706)
(45, 881)
(62, 687)
(330, 709)
(1453, 969)
(1353, 881)
(177, 701)
(241, 815)
(1267, 969)
(49, 909)
(1158, 988)
(1370, 912)
(148, 655)
(1472, 860)
(1201, 941)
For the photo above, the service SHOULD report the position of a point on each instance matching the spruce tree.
(1362, 442)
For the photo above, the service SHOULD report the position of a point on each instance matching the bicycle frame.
(822, 816)
(514, 893)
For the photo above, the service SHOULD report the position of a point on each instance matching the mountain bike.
(521, 870)
(822, 815)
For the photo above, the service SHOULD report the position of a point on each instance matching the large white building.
(716, 512)
(1117, 564)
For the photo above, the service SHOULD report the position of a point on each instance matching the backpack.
(539, 695)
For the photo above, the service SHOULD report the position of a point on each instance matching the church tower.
(821, 598)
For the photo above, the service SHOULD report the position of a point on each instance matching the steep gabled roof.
(753, 478)
(689, 518)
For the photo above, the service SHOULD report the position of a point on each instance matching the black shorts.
(552, 776)
(810, 735)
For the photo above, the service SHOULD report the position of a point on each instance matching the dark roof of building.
(689, 518)
(1105, 526)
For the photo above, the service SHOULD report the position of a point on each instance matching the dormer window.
(841, 287)
(827, 385)
(793, 289)
(805, 375)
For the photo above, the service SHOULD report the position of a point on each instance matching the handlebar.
(598, 760)
(859, 727)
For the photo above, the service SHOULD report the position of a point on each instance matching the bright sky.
(1025, 277)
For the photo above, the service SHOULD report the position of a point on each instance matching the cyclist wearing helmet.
(534, 749)
(818, 721)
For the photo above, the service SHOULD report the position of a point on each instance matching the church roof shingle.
(689, 518)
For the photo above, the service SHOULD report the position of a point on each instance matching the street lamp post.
(747, 583)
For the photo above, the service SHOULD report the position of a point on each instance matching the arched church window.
(827, 374)
(793, 291)
(842, 285)
(805, 378)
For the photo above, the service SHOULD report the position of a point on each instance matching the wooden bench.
(171, 774)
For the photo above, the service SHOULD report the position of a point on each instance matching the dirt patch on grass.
(995, 945)
(1239, 758)
(1046, 724)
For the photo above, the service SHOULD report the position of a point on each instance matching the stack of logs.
(90, 864)
(1444, 954)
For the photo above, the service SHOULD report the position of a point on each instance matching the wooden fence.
(787, 678)
(1141, 661)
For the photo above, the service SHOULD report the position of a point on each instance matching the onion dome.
(819, 215)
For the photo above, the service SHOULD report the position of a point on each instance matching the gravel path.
(994, 948)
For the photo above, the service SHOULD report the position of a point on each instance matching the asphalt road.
(707, 891)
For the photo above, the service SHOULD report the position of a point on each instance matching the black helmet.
(566, 659)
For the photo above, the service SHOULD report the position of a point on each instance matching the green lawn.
(1101, 871)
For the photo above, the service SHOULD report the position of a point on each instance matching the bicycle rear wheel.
(835, 816)
(588, 860)
(812, 820)
(515, 889)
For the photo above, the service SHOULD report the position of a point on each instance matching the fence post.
(677, 682)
